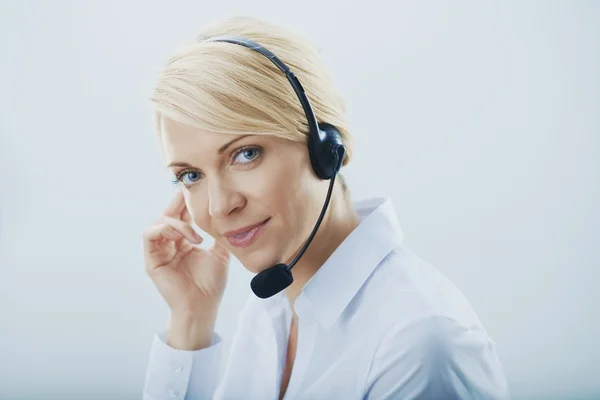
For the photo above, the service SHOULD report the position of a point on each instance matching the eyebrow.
(221, 150)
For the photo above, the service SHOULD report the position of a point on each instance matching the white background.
(480, 119)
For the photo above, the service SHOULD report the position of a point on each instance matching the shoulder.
(437, 357)
(407, 288)
(434, 342)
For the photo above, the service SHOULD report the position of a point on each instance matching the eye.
(246, 155)
(193, 177)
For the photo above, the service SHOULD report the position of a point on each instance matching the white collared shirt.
(375, 322)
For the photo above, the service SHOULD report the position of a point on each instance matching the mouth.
(246, 236)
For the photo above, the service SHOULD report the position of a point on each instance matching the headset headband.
(308, 111)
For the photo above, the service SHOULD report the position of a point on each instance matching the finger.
(183, 227)
(155, 236)
(171, 229)
(183, 245)
(160, 232)
(185, 214)
(175, 206)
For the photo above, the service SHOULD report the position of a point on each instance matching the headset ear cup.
(330, 130)
(322, 150)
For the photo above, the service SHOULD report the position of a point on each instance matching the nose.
(223, 199)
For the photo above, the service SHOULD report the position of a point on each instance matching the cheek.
(290, 193)
(273, 184)
(198, 211)
(267, 190)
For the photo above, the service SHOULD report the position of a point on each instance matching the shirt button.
(177, 367)
(173, 392)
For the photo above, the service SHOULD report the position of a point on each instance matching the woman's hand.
(190, 279)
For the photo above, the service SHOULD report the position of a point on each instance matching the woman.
(359, 316)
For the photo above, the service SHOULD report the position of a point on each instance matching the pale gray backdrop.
(480, 120)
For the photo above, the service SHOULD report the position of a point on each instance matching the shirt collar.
(336, 282)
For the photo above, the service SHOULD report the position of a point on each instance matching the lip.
(244, 229)
(247, 235)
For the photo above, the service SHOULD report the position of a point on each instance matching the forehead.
(174, 134)
(180, 142)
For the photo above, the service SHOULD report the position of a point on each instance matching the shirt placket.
(307, 334)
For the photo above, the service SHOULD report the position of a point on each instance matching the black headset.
(326, 152)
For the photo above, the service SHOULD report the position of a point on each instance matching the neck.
(339, 221)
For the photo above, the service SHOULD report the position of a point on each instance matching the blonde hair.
(226, 88)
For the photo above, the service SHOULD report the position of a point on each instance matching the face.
(232, 183)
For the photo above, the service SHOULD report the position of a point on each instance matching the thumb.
(219, 250)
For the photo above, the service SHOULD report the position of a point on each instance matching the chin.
(257, 264)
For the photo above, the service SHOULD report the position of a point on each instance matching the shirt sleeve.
(436, 358)
(182, 374)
